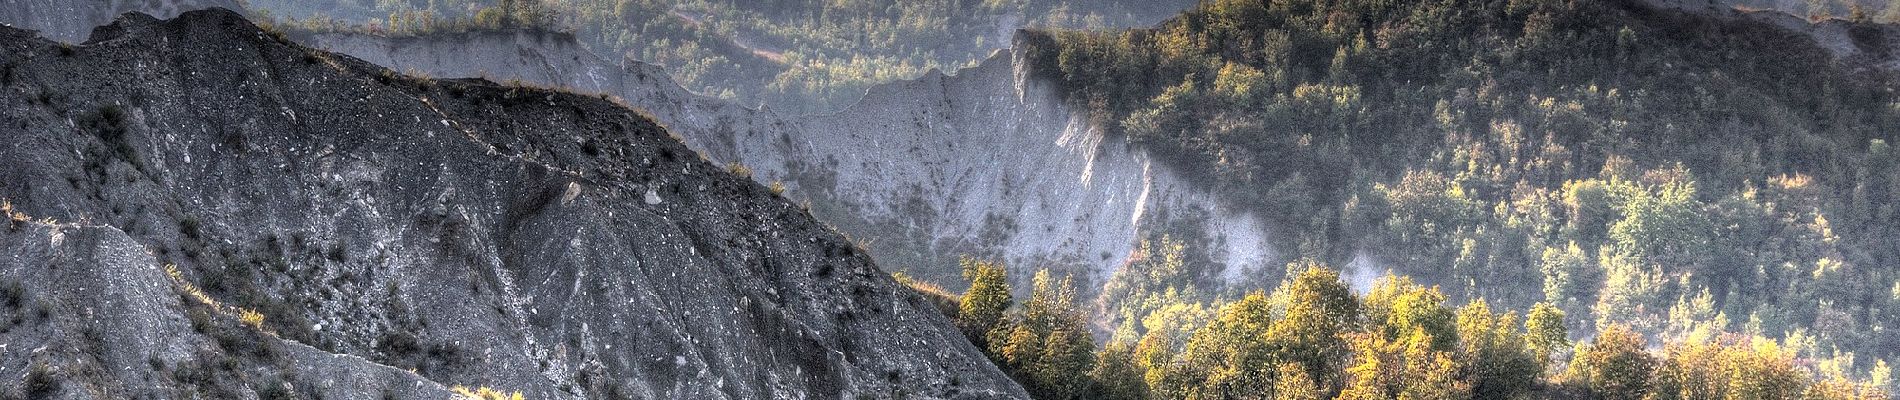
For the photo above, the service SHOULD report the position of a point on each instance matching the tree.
(1762, 370)
(1569, 276)
(1158, 275)
(1545, 334)
(1404, 367)
(1118, 375)
(1666, 227)
(1154, 354)
(1068, 356)
(1495, 360)
(1615, 365)
(1294, 384)
(1017, 350)
(1734, 367)
(1049, 349)
(1319, 308)
(1396, 306)
(1228, 357)
(982, 308)
(1241, 86)
(1631, 293)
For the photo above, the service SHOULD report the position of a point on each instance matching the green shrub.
(40, 381)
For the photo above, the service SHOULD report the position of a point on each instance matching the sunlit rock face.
(991, 162)
(398, 236)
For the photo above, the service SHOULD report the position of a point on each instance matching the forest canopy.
(1713, 185)
(1313, 338)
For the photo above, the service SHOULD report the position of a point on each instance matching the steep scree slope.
(475, 233)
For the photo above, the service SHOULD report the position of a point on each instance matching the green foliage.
(1881, 378)
(1313, 339)
(1318, 309)
(1045, 345)
(41, 381)
(1157, 275)
(1545, 335)
(1752, 369)
(1118, 375)
(1615, 365)
(1496, 359)
(1054, 360)
(1232, 356)
(1398, 307)
(981, 310)
(1666, 171)
(1407, 367)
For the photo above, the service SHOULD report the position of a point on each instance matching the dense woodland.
(1719, 189)
(801, 56)
(1313, 338)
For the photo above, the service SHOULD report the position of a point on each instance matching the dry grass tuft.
(247, 316)
(484, 393)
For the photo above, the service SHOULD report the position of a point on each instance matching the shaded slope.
(479, 234)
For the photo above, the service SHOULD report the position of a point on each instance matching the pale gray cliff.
(988, 162)
(399, 235)
(992, 161)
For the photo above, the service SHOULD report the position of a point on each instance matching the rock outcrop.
(356, 233)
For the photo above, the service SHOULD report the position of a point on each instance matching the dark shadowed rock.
(475, 233)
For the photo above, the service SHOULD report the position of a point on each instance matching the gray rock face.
(988, 162)
(72, 20)
(477, 234)
(991, 161)
(90, 314)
